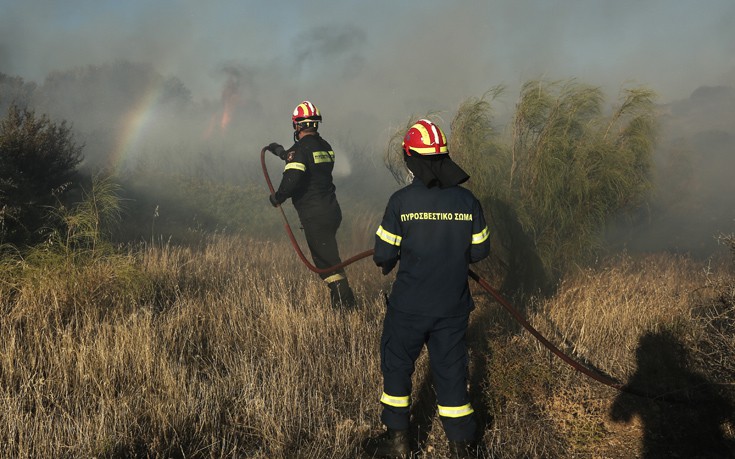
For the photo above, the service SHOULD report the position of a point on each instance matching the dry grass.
(229, 349)
(603, 317)
(617, 303)
(222, 355)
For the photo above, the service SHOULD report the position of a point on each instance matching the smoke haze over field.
(229, 73)
(382, 57)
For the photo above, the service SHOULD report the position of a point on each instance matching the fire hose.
(486, 286)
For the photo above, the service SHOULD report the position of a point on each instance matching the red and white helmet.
(425, 138)
(306, 114)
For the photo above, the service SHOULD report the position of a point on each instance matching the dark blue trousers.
(321, 237)
(404, 336)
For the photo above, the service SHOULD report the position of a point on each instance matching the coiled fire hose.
(499, 298)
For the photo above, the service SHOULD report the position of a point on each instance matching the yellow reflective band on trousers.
(323, 157)
(297, 166)
(481, 237)
(388, 237)
(398, 402)
(455, 411)
(334, 278)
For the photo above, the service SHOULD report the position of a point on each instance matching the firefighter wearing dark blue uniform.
(307, 181)
(433, 229)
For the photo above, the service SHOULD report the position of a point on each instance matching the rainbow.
(134, 124)
(143, 115)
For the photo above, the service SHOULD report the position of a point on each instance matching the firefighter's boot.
(390, 444)
(341, 294)
(462, 450)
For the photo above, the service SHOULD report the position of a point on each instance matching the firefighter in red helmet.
(307, 180)
(432, 229)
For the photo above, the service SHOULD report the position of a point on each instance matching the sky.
(370, 66)
(381, 55)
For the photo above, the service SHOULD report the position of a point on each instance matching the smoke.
(394, 57)
(323, 51)
(694, 177)
(222, 78)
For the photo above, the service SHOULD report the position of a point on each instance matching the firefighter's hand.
(273, 200)
(277, 149)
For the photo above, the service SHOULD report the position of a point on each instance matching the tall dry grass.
(602, 316)
(229, 349)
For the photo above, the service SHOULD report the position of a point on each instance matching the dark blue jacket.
(435, 233)
(307, 178)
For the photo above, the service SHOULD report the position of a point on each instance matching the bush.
(38, 160)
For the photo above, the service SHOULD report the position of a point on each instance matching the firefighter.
(433, 229)
(307, 180)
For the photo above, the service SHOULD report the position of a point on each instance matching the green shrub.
(38, 160)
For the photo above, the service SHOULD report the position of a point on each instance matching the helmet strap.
(304, 126)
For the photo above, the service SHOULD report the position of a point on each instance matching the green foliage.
(475, 143)
(572, 168)
(78, 236)
(85, 223)
(566, 169)
(38, 160)
(76, 259)
(182, 208)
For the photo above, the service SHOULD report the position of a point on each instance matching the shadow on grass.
(478, 342)
(682, 412)
(423, 412)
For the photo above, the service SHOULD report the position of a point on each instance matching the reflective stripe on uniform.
(323, 157)
(388, 237)
(455, 411)
(334, 278)
(398, 402)
(481, 237)
(298, 166)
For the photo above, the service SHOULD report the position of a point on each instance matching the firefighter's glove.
(273, 200)
(387, 267)
(278, 150)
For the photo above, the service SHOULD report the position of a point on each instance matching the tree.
(38, 160)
